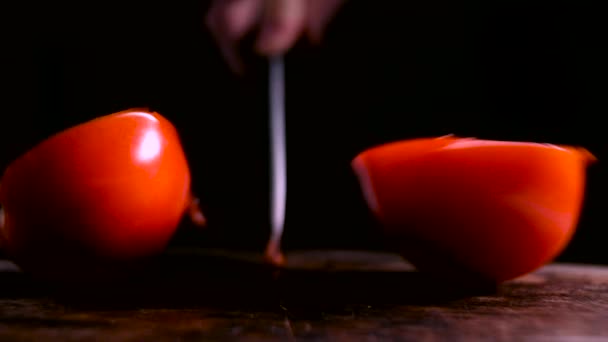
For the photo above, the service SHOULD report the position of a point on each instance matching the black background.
(518, 70)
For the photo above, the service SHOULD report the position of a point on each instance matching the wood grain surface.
(321, 295)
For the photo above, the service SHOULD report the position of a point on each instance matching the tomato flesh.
(495, 209)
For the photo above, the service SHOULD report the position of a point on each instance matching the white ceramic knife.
(278, 160)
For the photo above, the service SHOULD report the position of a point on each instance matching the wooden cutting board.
(322, 295)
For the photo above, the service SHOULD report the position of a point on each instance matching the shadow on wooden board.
(215, 278)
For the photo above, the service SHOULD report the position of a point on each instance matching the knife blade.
(278, 157)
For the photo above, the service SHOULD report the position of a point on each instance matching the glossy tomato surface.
(494, 209)
(109, 190)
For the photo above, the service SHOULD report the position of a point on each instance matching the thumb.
(282, 23)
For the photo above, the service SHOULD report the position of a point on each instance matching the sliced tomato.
(495, 209)
(109, 190)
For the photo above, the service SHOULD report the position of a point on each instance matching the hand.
(281, 23)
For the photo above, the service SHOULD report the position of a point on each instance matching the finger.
(229, 21)
(282, 23)
(320, 14)
(239, 17)
(215, 21)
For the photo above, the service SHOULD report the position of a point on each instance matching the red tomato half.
(494, 209)
(109, 190)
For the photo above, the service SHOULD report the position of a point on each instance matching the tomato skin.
(109, 190)
(490, 208)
